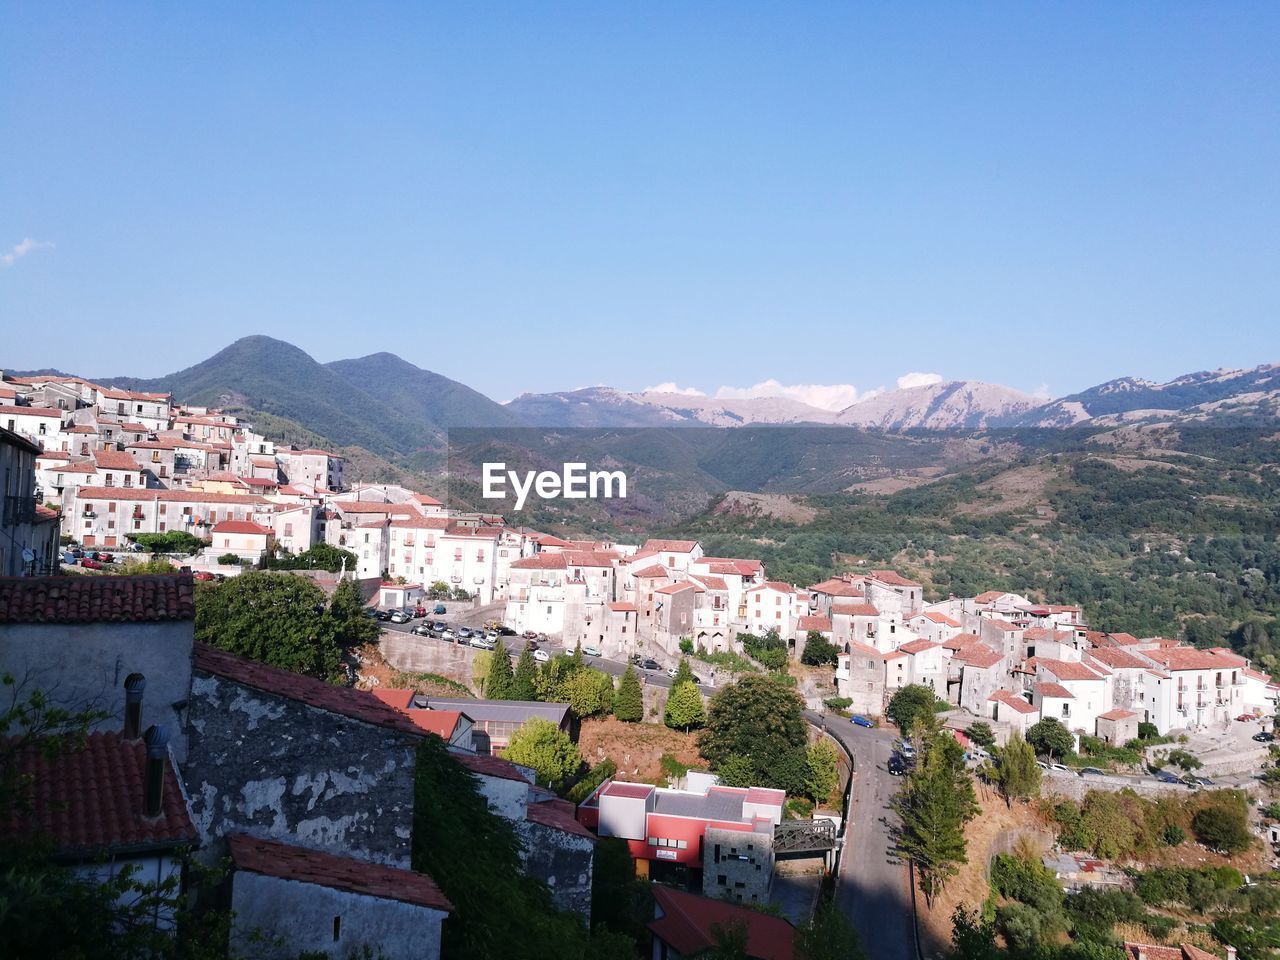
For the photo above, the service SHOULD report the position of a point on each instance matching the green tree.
(736, 770)
(554, 676)
(1018, 775)
(589, 692)
(933, 806)
(818, 649)
(500, 681)
(684, 674)
(981, 733)
(761, 720)
(1051, 738)
(525, 681)
(481, 662)
(828, 935)
(910, 703)
(628, 706)
(1223, 824)
(275, 618)
(824, 770)
(684, 707)
(542, 746)
(346, 606)
(1184, 760)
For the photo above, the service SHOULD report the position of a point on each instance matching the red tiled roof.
(364, 506)
(489, 766)
(670, 546)
(1117, 715)
(892, 578)
(540, 561)
(590, 558)
(839, 588)
(710, 582)
(427, 500)
(1017, 703)
(420, 523)
(1184, 951)
(941, 618)
(115, 460)
(241, 526)
(619, 607)
(91, 800)
(730, 565)
(1067, 669)
(776, 585)
(1189, 658)
(557, 814)
(1056, 690)
(31, 411)
(273, 859)
(990, 596)
(919, 646)
(344, 701)
(854, 610)
(675, 588)
(978, 655)
(649, 573)
(440, 722)
(821, 624)
(96, 599)
(1117, 658)
(1003, 625)
(168, 496)
(689, 923)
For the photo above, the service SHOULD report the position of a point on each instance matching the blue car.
(1164, 776)
(860, 721)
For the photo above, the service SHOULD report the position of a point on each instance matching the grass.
(734, 663)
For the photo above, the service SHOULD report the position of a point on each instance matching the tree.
(761, 720)
(1223, 824)
(274, 618)
(500, 682)
(934, 805)
(525, 681)
(554, 676)
(438, 590)
(684, 707)
(544, 747)
(322, 556)
(736, 770)
(229, 560)
(1147, 731)
(982, 734)
(1184, 760)
(1051, 738)
(818, 649)
(347, 609)
(911, 702)
(481, 661)
(824, 770)
(684, 674)
(1018, 774)
(589, 692)
(628, 705)
(828, 935)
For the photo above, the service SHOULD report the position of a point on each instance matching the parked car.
(506, 631)
(439, 625)
(76, 552)
(104, 557)
(422, 630)
(1164, 776)
(1060, 767)
(400, 616)
(1092, 772)
(530, 634)
(419, 611)
(1203, 781)
(541, 656)
(590, 651)
(448, 634)
(91, 564)
(1246, 717)
(650, 664)
(203, 575)
(439, 610)
(531, 644)
(858, 720)
(1042, 765)
(465, 633)
(371, 613)
(896, 766)
(384, 615)
(481, 642)
(1264, 737)
(672, 671)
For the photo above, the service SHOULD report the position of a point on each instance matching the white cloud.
(670, 387)
(1042, 392)
(828, 396)
(20, 250)
(908, 380)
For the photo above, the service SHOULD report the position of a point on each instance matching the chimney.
(134, 686)
(157, 741)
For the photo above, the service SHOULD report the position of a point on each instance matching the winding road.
(872, 889)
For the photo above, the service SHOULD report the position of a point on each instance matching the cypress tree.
(683, 674)
(1019, 777)
(500, 682)
(524, 686)
(628, 705)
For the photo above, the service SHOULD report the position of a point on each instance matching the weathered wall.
(1055, 783)
(562, 861)
(277, 768)
(299, 917)
(507, 798)
(737, 865)
(85, 665)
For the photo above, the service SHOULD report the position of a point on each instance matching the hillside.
(950, 405)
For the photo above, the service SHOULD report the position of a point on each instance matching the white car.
(591, 651)
(541, 655)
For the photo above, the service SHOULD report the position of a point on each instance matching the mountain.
(607, 407)
(422, 396)
(1251, 392)
(950, 405)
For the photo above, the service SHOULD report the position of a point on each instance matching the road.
(475, 617)
(872, 889)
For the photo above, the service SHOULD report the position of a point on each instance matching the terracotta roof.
(364, 506)
(489, 766)
(1184, 951)
(426, 500)
(440, 722)
(1067, 669)
(590, 558)
(1117, 658)
(710, 582)
(821, 624)
(670, 546)
(675, 588)
(863, 649)
(978, 655)
(776, 585)
(1003, 625)
(649, 573)
(419, 523)
(241, 526)
(273, 859)
(1055, 690)
(1189, 658)
(540, 561)
(168, 496)
(935, 617)
(557, 814)
(836, 587)
(91, 800)
(31, 411)
(115, 460)
(623, 607)
(1117, 715)
(919, 646)
(990, 596)
(854, 610)
(1017, 703)
(343, 701)
(689, 924)
(731, 565)
(893, 579)
(96, 599)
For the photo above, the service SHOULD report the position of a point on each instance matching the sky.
(823, 199)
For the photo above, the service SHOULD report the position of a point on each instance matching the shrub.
(229, 559)
(838, 703)
(686, 646)
(982, 734)
(1223, 825)
(1173, 835)
(818, 649)
(1147, 731)
(597, 775)
(672, 768)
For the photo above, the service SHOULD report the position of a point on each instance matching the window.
(41, 429)
(111, 479)
(111, 524)
(337, 928)
(137, 524)
(288, 529)
(111, 507)
(457, 554)
(162, 525)
(128, 480)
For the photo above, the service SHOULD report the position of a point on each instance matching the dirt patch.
(777, 505)
(372, 670)
(889, 485)
(636, 748)
(969, 886)
(1020, 488)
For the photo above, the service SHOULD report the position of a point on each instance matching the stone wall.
(280, 769)
(561, 860)
(737, 865)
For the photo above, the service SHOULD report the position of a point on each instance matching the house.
(1118, 727)
(319, 468)
(1191, 688)
(674, 554)
(860, 676)
(399, 596)
(1011, 709)
(974, 672)
(686, 925)
(773, 605)
(296, 785)
(496, 720)
(288, 900)
(104, 516)
(452, 726)
(38, 424)
(620, 629)
(105, 641)
(245, 538)
(28, 532)
(933, 626)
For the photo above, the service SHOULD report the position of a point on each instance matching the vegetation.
(1050, 738)
(768, 650)
(684, 710)
(500, 681)
(980, 732)
(1224, 823)
(827, 935)
(274, 618)
(525, 680)
(823, 778)
(756, 731)
(818, 649)
(910, 703)
(547, 750)
(628, 705)
(322, 556)
(174, 541)
(1018, 775)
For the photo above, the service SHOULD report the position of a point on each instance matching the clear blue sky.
(544, 196)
